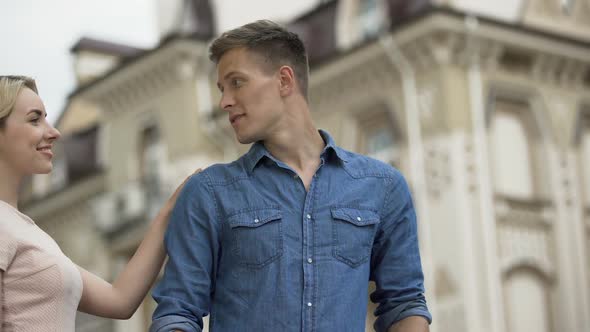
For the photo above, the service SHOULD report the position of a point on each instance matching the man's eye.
(236, 82)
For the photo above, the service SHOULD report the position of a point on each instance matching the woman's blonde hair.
(10, 87)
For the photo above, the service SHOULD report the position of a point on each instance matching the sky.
(37, 35)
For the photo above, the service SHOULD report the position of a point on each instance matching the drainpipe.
(494, 289)
(416, 151)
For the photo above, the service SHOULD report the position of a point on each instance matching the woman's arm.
(123, 297)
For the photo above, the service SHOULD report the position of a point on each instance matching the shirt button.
(358, 218)
(309, 304)
(308, 216)
(309, 260)
(256, 220)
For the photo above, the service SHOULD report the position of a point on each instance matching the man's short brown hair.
(275, 44)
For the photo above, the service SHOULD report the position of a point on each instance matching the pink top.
(40, 287)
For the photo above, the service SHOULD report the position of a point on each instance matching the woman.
(40, 288)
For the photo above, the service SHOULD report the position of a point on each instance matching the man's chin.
(245, 139)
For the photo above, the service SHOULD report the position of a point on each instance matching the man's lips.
(233, 118)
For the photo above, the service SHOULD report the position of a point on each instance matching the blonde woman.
(40, 288)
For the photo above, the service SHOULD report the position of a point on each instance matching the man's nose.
(226, 101)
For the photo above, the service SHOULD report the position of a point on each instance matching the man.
(287, 237)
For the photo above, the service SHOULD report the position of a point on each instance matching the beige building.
(484, 106)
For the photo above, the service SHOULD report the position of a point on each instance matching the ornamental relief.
(568, 179)
(535, 213)
(144, 82)
(437, 166)
(358, 83)
(521, 245)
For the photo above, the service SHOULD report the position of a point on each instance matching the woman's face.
(26, 139)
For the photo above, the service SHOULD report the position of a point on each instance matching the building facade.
(485, 108)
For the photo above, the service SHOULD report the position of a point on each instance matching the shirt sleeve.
(192, 242)
(395, 264)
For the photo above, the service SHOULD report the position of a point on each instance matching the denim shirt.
(251, 247)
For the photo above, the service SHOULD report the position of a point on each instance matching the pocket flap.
(254, 218)
(358, 217)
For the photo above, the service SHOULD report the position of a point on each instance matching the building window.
(512, 151)
(151, 162)
(527, 302)
(150, 153)
(567, 6)
(381, 145)
(379, 136)
(370, 17)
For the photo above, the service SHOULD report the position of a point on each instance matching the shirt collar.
(258, 151)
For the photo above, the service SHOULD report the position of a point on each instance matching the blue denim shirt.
(252, 248)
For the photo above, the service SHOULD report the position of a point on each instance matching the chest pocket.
(256, 237)
(353, 234)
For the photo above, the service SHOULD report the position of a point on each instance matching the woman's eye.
(236, 82)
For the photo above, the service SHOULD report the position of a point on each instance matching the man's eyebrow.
(231, 73)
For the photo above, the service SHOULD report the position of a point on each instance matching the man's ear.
(287, 80)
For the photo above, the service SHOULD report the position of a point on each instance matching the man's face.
(250, 94)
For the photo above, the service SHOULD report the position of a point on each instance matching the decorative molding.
(559, 70)
(521, 245)
(536, 213)
(340, 88)
(67, 198)
(513, 52)
(471, 178)
(525, 234)
(437, 166)
(149, 77)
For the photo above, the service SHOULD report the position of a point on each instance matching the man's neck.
(299, 148)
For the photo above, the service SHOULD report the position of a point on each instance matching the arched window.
(512, 152)
(380, 137)
(526, 297)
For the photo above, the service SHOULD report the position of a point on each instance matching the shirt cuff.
(415, 308)
(174, 322)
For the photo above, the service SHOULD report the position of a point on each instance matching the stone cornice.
(442, 39)
(146, 78)
(69, 199)
(342, 82)
(527, 212)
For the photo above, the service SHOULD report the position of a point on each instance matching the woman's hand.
(172, 200)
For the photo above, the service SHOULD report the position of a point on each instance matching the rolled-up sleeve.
(192, 243)
(395, 263)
